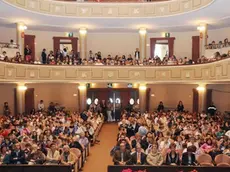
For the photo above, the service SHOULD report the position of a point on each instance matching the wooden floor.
(99, 157)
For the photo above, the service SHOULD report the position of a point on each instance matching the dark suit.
(27, 51)
(134, 159)
(185, 159)
(170, 160)
(118, 157)
(17, 157)
(44, 57)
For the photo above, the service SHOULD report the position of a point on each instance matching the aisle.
(99, 157)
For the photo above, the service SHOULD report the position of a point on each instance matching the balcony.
(214, 72)
(134, 8)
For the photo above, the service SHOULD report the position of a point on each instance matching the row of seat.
(221, 160)
(82, 156)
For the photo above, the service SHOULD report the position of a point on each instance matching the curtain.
(30, 41)
(171, 46)
(74, 45)
(148, 91)
(195, 48)
(56, 44)
(195, 100)
(208, 98)
(29, 100)
(152, 46)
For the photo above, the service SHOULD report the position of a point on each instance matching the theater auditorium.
(114, 86)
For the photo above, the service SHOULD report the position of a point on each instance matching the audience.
(45, 136)
(66, 57)
(175, 137)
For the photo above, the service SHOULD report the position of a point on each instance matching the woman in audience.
(36, 156)
(27, 53)
(160, 107)
(180, 107)
(172, 158)
(6, 109)
(53, 155)
(154, 158)
(67, 157)
(4, 155)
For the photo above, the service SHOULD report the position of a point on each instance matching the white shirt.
(227, 133)
(41, 106)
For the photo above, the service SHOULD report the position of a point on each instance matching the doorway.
(30, 41)
(114, 99)
(165, 41)
(161, 50)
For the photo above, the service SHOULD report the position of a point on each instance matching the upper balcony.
(110, 8)
(214, 72)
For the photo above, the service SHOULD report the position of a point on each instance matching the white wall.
(44, 39)
(113, 43)
(218, 35)
(117, 43)
(171, 94)
(220, 96)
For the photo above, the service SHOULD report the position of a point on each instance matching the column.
(203, 29)
(142, 97)
(20, 97)
(142, 43)
(202, 91)
(83, 43)
(82, 97)
(20, 37)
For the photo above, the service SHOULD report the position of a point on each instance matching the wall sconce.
(22, 88)
(142, 31)
(83, 31)
(201, 28)
(142, 87)
(81, 87)
(200, 88)
(22, 27)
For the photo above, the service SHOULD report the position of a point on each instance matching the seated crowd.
(172, 138)
(66, 57)
(218, 45)
(47, 136)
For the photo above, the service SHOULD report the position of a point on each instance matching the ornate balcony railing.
(218, 71)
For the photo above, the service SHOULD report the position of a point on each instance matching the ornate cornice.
(212, 72)
(110, 10)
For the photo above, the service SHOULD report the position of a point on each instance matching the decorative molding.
(211, 72)
(87, 9)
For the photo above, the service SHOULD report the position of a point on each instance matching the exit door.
(115, 100)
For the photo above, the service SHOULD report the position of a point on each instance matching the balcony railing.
(217, 71)
(114, 1)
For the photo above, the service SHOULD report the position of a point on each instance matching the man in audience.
(44, 56)
(212, 109)
(188, 158)
(17, 155)
(122, 156)
(138, 157)
(41, 105)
